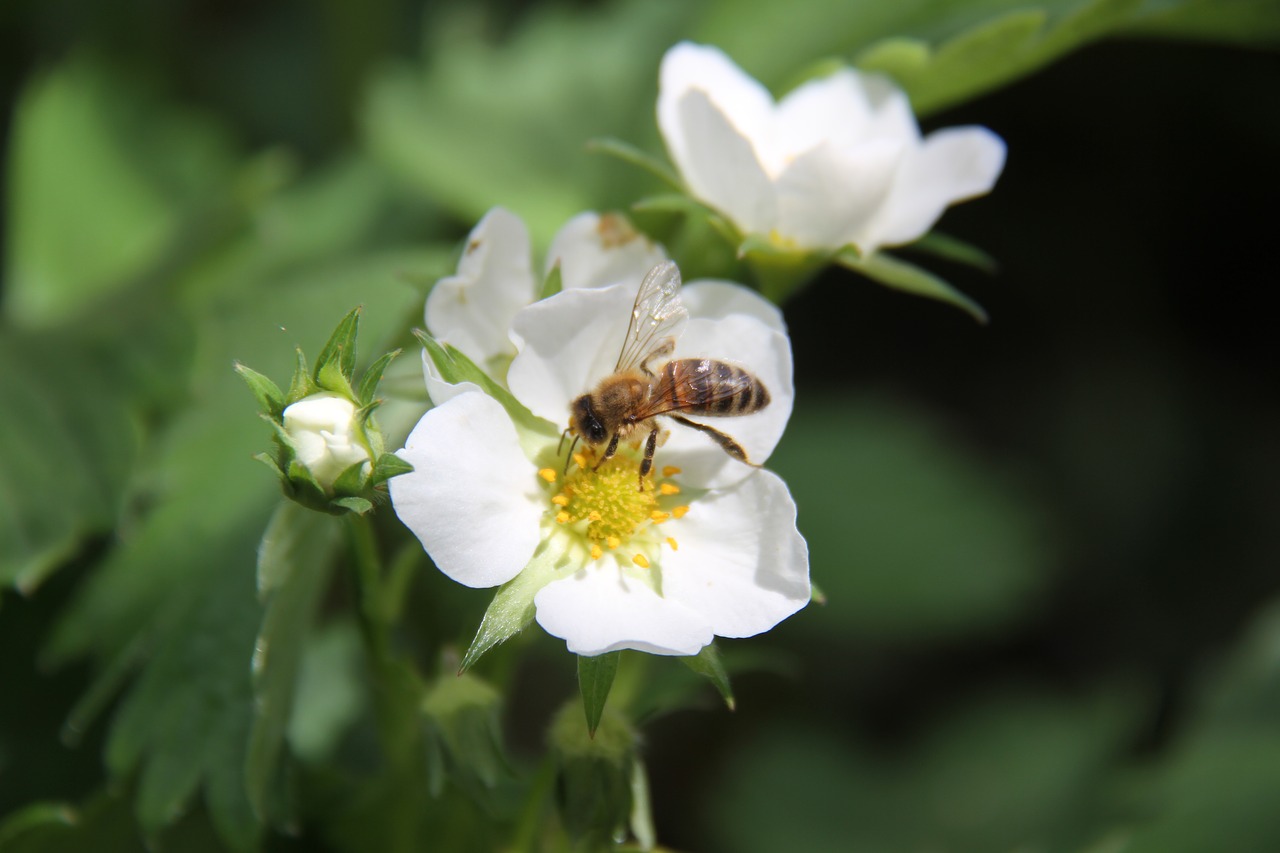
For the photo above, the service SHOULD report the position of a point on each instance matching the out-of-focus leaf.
(945, 53)
(708, 664)
(1010, 772)
(561, 79)
(464, 729)
(103, 824)
(330, 694)
(294, 563)
(909, 534)
(595, 679)
(102, 178)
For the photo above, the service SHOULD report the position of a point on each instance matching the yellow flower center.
(610, 508)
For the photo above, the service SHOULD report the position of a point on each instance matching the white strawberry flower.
(326, 435)
(838, 161)
(708, 547)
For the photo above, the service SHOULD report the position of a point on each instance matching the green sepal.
(779, 271)
(352, 480)
(707, 663)
(306, 488)
(956, 250)
(554, 282)
(454, 367)
(816, 595)
(671, 203)
(628, 153)
(909, 278)
(372, 376)
(595, 680)
(512, 609)
(282, 438)
(269, 396)
(302, 385)
(270, 461)
(330, 378)
(389, 465)
(339, 352)
(354, 504)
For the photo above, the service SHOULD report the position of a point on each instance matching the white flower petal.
(747, 342)
(472, 498)
(712, 298)
(742, 101)
(741, 562)
(596, 250)
(566, 344)
(473, 309)
(833, 109)
(828, 197)
(600, 609)
(950, 165)
(721, 166)
(438, 390)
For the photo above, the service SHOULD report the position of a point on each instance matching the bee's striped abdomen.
(704, 386)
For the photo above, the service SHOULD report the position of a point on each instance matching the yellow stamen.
(560, 500)
(579, 460)
(641, 561)
(672, 543)
(613, 542)
(671, 470)
(594, 516)
(669, 489)
(595, 551)
(679, 512)
(658, 516)
(548, 474)
(562, 517)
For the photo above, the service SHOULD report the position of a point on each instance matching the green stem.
(529, 824)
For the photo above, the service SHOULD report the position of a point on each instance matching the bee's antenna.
(570, 454)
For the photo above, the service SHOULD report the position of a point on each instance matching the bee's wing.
(657, 317)
(696, 392)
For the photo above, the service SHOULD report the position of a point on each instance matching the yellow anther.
(595, 551)
(579, 460)
(594, 516)
(560, 500)
(658, 516)
(670, 470)
(613, 542)
(641, 561)
(548, 474)
(672, 542)
(669, 489)
(562, 517)
(679, 512)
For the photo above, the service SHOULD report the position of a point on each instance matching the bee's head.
(586, 423)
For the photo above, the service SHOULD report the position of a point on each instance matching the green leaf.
(372, 376)
(628, 153)
(294, 565)
(102, 825)
(954, 249)
(512, 607)
(554, 282)
(267, 392)
(338, 356)
(909, 278)
(68, 442)
(104, 179)
(595, 680)
(560, 78)
(707, 663)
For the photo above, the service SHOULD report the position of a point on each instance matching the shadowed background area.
(1048, 545)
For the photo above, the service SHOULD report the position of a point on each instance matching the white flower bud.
(325, 435)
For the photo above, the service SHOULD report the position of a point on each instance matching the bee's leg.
(649, 447)
(727, 444)
(609, 451)
(662, 350)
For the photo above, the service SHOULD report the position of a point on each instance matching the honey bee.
(628, 401)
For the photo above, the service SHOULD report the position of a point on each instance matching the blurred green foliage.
(1039, 542)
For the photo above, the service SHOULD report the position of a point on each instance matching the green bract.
(329, 451)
